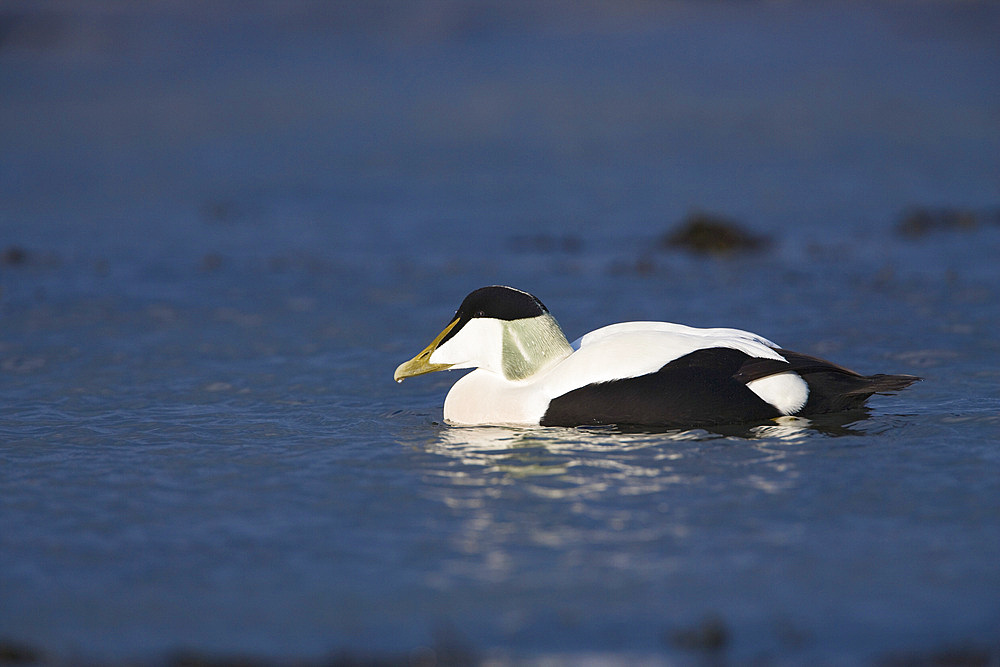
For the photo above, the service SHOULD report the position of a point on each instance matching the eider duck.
(630, 374)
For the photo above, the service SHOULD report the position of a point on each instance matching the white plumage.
(641, 373)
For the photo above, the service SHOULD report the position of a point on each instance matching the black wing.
(709, 388)
(699, 389)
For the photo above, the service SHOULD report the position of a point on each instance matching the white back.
(630, 349)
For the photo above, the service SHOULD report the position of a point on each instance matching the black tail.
(832, 388)
(887, 384)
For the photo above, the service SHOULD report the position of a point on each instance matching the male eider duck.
(633, 373)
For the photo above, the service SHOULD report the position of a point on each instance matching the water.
(233, 229)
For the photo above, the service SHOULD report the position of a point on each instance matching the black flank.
(708, 388)
(698, 389)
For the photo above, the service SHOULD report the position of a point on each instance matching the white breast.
(484, 397)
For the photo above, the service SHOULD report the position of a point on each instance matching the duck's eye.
(480, 313)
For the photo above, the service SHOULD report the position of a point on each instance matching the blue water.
(224, 227)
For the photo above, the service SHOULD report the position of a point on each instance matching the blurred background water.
(224, 225)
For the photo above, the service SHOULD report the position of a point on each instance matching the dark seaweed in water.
(919, 222)
(714, 235)
(13, 255)
(710, 635)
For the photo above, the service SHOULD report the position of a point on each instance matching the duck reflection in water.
(594, 462)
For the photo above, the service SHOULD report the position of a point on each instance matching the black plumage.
(708, 387)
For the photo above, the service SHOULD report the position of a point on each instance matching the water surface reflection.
(593, 502)
(568, 462)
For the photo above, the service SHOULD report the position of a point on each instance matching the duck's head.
(500, 329)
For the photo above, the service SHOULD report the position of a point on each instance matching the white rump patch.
(786, 391)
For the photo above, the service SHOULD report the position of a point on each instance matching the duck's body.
(633, 373)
